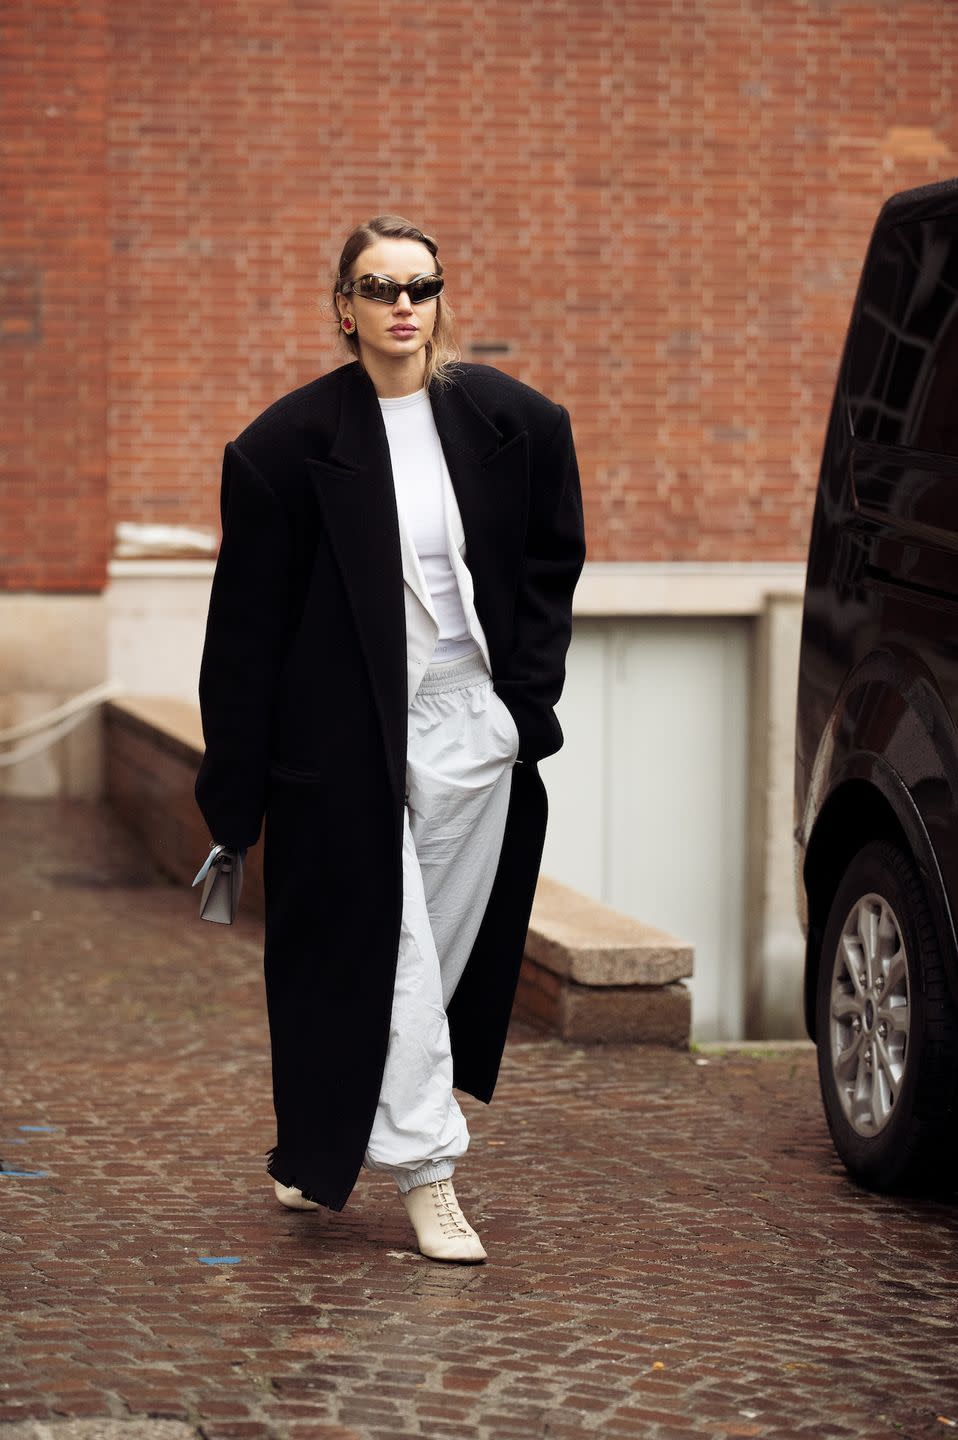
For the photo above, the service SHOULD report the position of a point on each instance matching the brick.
(657, 207)
(637, 1209)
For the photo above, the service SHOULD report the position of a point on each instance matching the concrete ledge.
(589, 972)
(639, 1014)
(172, 725)
(592, 973)
(582, 940)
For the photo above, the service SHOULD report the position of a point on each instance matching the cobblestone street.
(674, 1250)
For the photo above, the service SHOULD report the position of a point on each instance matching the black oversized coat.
(303, 692)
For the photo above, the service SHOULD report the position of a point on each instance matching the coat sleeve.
(552, 562)
(242, 653)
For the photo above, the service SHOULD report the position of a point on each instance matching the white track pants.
(462, 745)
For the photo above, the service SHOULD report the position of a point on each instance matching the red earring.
(348, 324)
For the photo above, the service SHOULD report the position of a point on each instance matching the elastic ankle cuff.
(434, 1170)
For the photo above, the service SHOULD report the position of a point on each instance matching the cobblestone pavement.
(673, 1249)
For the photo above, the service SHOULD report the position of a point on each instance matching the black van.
(876, 775)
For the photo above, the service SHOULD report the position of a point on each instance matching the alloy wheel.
(869, 1014)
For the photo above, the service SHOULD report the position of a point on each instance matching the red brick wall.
(54, 531)
(659, 205)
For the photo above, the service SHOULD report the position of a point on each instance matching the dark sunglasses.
(381, 287)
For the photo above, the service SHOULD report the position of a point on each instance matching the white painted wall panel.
(648, 796)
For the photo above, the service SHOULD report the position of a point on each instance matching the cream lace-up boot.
(442, 1230)
(293, 1198)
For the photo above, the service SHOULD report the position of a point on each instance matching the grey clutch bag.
(222, 872)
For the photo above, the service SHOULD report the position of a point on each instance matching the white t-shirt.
(419, 471)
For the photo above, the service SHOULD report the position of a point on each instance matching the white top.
(419, 475)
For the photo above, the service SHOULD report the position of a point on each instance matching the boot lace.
(451, 1218)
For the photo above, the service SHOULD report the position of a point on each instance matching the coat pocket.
(300, 777)
(508, 723)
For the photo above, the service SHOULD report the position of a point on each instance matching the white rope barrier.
(53, 725)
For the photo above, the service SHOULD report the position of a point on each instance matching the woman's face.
(392, 331)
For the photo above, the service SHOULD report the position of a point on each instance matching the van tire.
(890, 1093)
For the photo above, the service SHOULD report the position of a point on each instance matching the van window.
(901, 380)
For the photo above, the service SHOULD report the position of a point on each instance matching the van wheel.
(887, 1028)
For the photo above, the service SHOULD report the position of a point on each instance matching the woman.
(387, 633)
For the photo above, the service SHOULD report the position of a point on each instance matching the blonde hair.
(442, 352)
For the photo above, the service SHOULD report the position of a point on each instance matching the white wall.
(156, 619)
(52, 648)
(648, 795)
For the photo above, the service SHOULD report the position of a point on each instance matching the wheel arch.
(868, 801)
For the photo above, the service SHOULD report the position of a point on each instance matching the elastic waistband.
(453, 675)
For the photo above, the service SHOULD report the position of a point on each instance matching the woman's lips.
(402, 330)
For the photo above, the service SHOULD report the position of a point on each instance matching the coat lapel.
(490, 476)
(357, 501)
